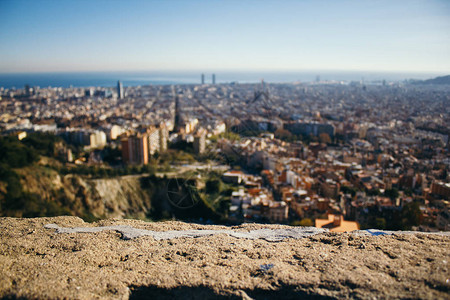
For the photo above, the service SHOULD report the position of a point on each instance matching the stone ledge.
(248, 261)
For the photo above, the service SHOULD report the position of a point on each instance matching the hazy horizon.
(137, 78)
(210, 71)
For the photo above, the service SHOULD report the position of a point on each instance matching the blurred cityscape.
(338, 155)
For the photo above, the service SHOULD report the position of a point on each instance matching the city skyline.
(209, 36)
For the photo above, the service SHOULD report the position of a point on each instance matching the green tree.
(149, 168)
(306, 222)
(349, 190)
(111, 155)
(324, 138)
(303, 222)
(411, 215)
(283, 134)
(43, 143)
(391, 193)
(213, 186)
(380, 223)
(15, 154)
(156, 155)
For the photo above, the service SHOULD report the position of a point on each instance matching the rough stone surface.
(39, 262)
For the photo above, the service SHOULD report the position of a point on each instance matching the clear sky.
(82, 35)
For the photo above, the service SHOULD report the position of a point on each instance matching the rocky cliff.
(118, 197)
(102, 260)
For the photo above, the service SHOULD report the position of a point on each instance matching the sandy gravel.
(37, 262)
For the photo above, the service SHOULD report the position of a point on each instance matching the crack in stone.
(378, 232)
(128, 232)
(270, 235)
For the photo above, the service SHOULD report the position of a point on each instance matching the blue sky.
(98, 35)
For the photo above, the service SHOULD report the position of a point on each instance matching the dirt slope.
(118, 197)
(36, 262)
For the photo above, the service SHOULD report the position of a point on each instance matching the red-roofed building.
(336, 223)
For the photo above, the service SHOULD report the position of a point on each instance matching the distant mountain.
(437, 80)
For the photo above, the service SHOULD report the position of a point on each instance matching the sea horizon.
(107, 79)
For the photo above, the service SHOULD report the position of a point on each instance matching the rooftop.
(336, 223)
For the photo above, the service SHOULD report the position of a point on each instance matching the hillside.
(49, 193)
(39, 262)
(118, 197)
(437, 80)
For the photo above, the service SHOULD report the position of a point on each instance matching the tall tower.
(178, 122)
(200, 141)
(203, 78)
(213, 78)
(27, 90)
(119, 90)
